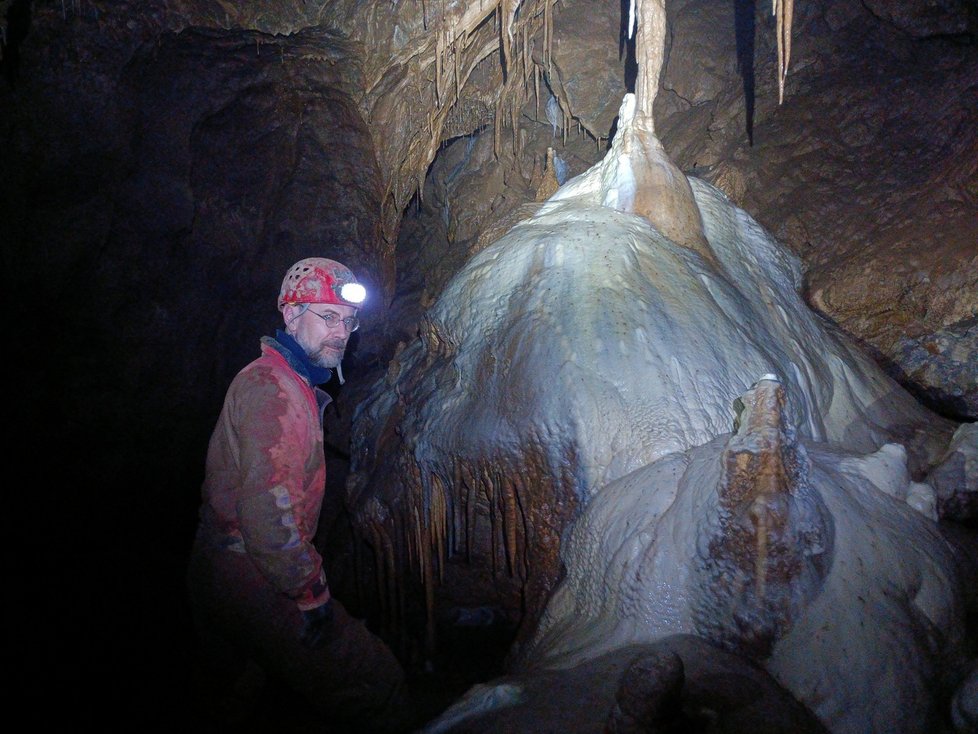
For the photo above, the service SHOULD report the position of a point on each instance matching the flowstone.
(670, 429)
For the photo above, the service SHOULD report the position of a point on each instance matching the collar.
(297, 358)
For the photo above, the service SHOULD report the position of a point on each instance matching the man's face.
(325, 343)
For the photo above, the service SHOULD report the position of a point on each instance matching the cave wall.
(868, 171)
(157, 183)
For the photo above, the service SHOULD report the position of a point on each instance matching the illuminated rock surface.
(586, 353)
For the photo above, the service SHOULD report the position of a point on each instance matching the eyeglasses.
(352, 323)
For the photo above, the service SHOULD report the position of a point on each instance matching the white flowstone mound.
(801, 538)
(584, 323)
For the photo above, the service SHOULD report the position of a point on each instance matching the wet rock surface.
(679, 684)
(872, 186)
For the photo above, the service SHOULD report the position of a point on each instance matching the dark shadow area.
(945, 404)
(744, 30)
(952, 407)
(626, 51)
(612, 132)
(18, 24)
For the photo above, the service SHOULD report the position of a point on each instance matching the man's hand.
(317, 626)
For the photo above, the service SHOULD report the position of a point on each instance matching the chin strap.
(339, 372)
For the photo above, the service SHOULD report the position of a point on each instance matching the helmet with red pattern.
(319, 280)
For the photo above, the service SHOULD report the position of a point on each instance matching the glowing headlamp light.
(352, 293)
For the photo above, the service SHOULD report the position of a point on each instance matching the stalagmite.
(646, 181)
(768, 541)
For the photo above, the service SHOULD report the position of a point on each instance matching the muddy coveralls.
(254, 567)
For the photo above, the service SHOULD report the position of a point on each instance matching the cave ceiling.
(868, 173)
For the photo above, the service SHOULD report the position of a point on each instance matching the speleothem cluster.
(675, 432)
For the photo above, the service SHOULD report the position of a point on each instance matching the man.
(259, 593)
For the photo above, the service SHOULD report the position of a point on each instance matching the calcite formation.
(765, 543)
(700, 452)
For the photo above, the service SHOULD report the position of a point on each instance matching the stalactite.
(391, 575)
(406, 545)
(783, 11)
(519, 492)
(457, 48)
(429, 599)
(386, 572)
(423, 480)
(399, 592)
(648, 19)
(419, 546)
(509, 523)
(507, 9)
(536, 88)
(457, 507)
(439, 54)
(358, 568)
(469, 510)
(379, 576)
(454, 27)
(489, 490)
(497, 144)
(514, 121)
(439, 514)
(547, 34)
(414, 537)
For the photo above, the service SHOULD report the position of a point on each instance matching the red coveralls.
(254, 567)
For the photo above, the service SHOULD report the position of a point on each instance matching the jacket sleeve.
(275, 446)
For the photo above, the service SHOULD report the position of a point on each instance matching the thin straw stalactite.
(519, 492)
(548, 23)
(439, 522)
(439, 54)
(510, 507)
(470, 488)
(783, 11)
(536, 89)
(457, 47)
(457, 506)
(488, 488)
(507, 9)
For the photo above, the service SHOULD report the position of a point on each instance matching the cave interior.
(165, 161)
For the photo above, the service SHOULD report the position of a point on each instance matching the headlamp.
(352, 293)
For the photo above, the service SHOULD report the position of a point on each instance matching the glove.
(317, 626)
